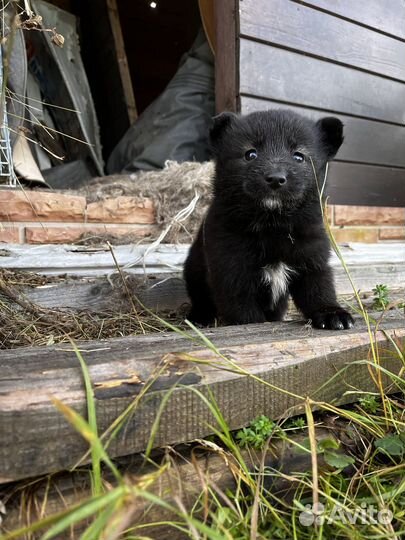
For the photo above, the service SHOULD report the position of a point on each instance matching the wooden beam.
(372, 14)
(122, 61)
(375, 185)
(163, 294)
(207, 12)
(368, 264)
(82, 260)
(366, 141)
(264, 369)
(101, 294)
(286, 25)
(226, 55)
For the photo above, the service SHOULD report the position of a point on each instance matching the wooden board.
(226, 55)
(160, 294)
(293, 360)
(387, 259)
(354, 183)
(81, 260)
(207, 12)
(309, 31)
(366, 141)
(381, 15)
(169, 293)
(283, 75)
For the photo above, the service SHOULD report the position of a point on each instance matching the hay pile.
(24, 323)
(171, 189)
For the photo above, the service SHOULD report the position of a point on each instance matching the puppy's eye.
(251, 155)
(297, 156)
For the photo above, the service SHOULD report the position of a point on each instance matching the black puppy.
(263, 236)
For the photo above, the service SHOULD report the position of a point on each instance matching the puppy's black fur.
(263, 237)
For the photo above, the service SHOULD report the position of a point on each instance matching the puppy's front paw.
(332, 319)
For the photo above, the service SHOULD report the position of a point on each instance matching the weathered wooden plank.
(365, 141)
(169, 258)
(278, 74)
(368, 264)
(170, 293)
(21, 256)
(387, 17)
(100, 294)
(365, 278)
(365, 185)
(93, 261)
(293, 360)
(304, 29)
(226, 55)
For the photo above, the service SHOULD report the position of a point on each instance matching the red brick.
(395, 233)
(19, 205)
(369, 215)
(122, 210)
(68, 235)
(366, 235)
(11, 235)
(330, 214)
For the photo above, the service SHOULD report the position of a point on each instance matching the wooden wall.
(319, 58)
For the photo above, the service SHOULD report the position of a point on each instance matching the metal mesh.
(7, 174)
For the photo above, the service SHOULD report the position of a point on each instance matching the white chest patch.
(277, 276)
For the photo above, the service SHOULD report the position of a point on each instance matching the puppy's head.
(270, 156)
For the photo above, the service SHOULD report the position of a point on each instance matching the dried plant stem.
(10, 293)
(129, 293)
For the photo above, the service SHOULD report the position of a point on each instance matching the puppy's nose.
(276, 180)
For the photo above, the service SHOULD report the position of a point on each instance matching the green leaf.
(257, 433)
(381, 297)
(96, 478)
(336, 460)
(326, 444)
(94, 531)
(305, 445)
(393, 445)
(299, 422)
(369, 404)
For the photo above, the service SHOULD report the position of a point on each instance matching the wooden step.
(249, 370)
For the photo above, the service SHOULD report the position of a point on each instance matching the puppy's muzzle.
(275, 181)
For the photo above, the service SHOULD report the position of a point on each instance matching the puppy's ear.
(331, 130)
(219, 125)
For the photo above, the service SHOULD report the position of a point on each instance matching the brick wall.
(43, 217)
(368, 223)
(38, 217)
